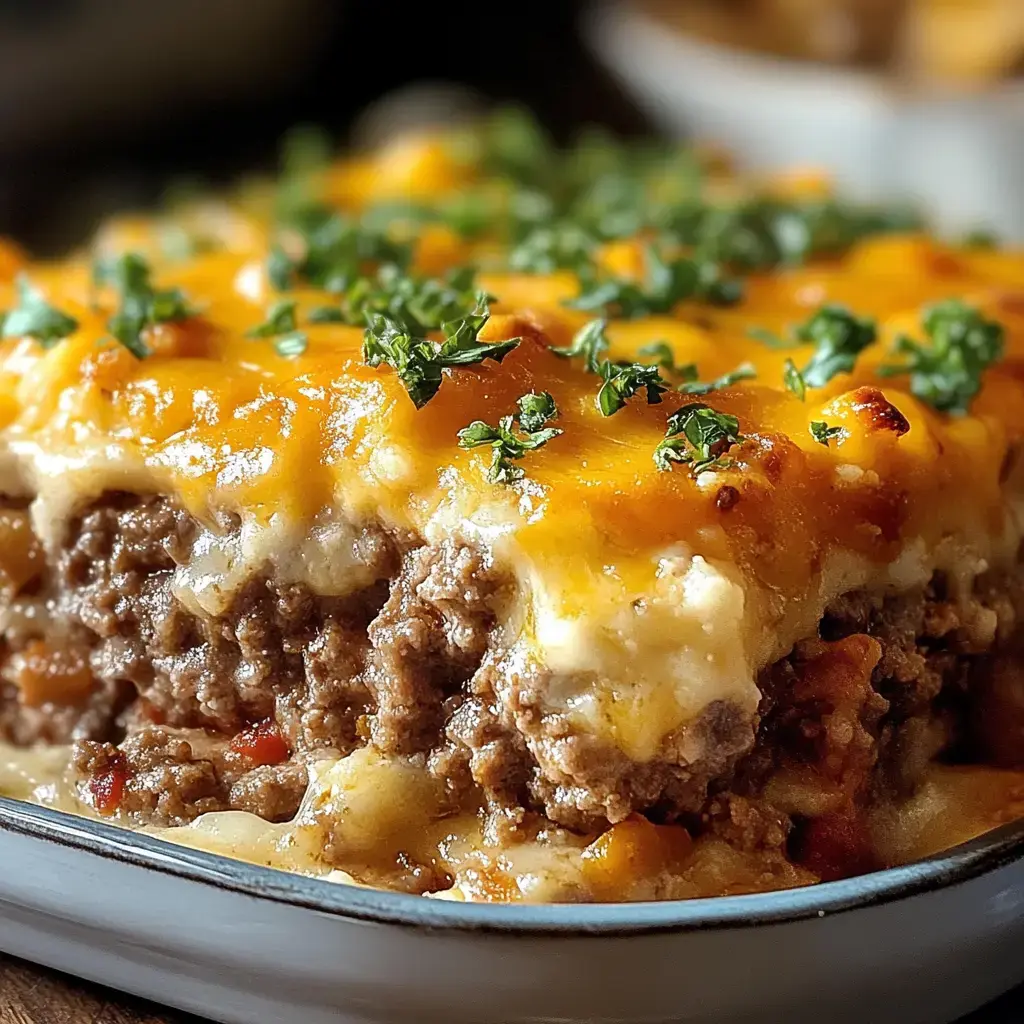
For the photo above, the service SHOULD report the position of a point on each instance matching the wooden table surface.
(33, 995)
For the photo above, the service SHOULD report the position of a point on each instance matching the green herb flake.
(553, 247)
(34, 317)
(793, 380)
(824, 434)
(663, 356)
(305, 149)
(292, 344)
(326, 315)
(839, 337)
(509, 444)
(415, 304)
(768, 338)
(280, 320)
(280, 269)
(746, 371)
(946, 372)
(621, 381)
(661, 352)
(698, 436)
(589, 343)
(329, 250)
(536, 411)
(419, 361)
(142, 305)
(665, 284)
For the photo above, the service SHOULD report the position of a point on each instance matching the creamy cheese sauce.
(376, 808)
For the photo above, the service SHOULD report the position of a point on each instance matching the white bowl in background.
(961, 157)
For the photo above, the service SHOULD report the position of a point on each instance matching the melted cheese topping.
(647, 593)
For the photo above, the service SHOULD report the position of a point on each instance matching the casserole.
(494, 523)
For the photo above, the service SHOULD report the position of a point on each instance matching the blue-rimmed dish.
(239, 943)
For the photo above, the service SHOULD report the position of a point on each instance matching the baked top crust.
(648, 590)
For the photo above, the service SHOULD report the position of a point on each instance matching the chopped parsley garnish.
(516, 146)
(589, 343)
(793, 379)
(824, 434)
(34, 317)
(536, 411)
(326, 315)
(416, 304)
(665, 284)
(281, 325)
(509, 444)
(142, 305)
(621, 381)
(769, 338)
(698, 436)
(280, 320)
(839, 337)
(330, 251)
(290, 345)
(946, 372)
(664, 357)
(662, 354)
(419, 361)
(280, 268)
(305, 148)
(553, 247)
(764, 233)
(744, 372)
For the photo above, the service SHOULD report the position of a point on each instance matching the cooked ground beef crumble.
(193, 713)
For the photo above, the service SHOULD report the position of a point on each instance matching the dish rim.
(989, 852)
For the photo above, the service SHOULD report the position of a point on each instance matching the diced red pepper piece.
(107, 786)
(261, 744)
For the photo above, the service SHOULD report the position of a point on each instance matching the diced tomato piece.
(836, 846)
(261, 744)
(107, 786)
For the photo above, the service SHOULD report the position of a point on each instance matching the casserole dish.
(922, 944)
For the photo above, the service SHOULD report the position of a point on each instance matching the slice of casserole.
(565, 525)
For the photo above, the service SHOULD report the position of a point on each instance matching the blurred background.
(103, 101)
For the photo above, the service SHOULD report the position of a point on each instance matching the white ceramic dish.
(960, 156)
(248, 945)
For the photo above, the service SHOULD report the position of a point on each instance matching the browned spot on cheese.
(876, 412)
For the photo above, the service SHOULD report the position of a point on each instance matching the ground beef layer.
(175, 713)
